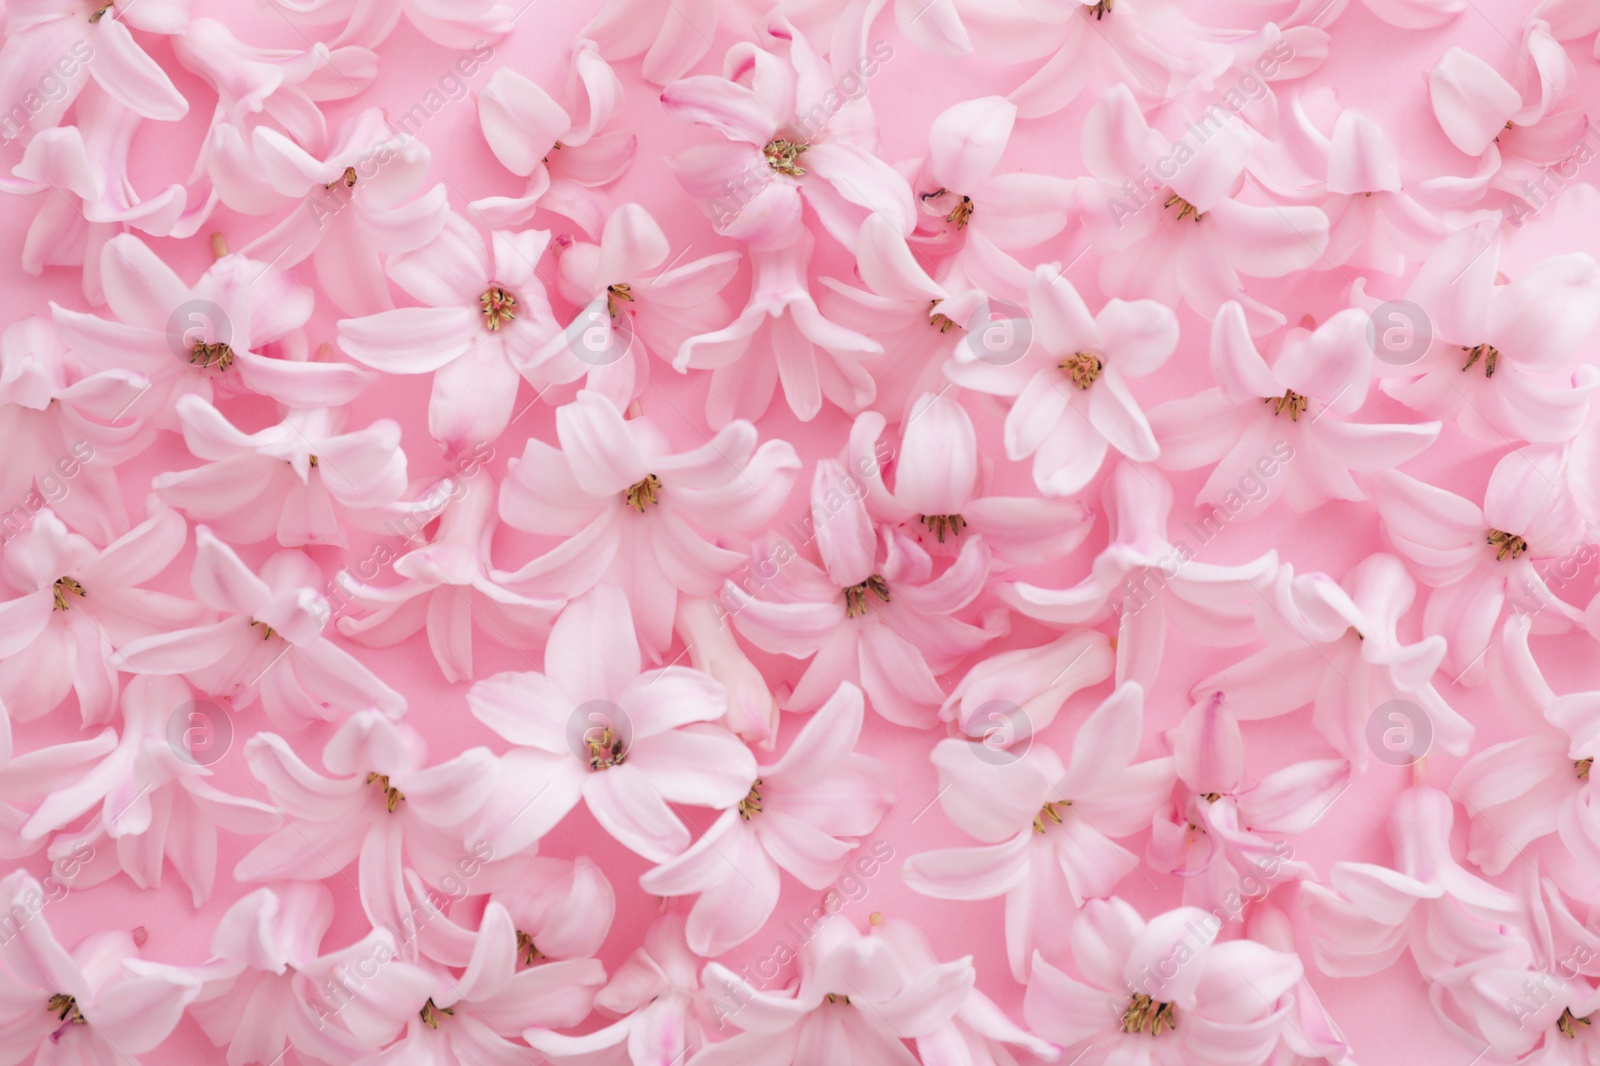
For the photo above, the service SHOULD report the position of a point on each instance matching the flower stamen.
(1566, 1022)
(526, 949)
(65, 1008)
(63, 587)
(218, 355)
(430, 1013)
(605, 750)
(838, 997)
(783, 156)
(1101, 10)
(392, 796)
(347, 179)
(1582, 767)
(855, 597)
(962, 214)
(1049, 811)
(940, 524)
(1145, 1015)
(267, 632)
(1185, 208)
(620, 291)
(1083, 368)
(498, 307)
(642, 494)
(98, 15)
(1290, 401)
(942, 323)
(1509, 544)
(751, 804)
(1487, 352)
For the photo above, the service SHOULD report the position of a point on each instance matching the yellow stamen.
(751, 804)
(1083, 368)
(1566, 1022)
(605, 750)
(855, 597)
(838, 997)
(347, 179)
(1049, 811)
(1290, 401)
(267, 632)
(217, 356)
(65, 586)
(942, 323)
(1145, 1015)
(1101, 9)
(940, 524)
(1508, 544)
(65, 1008)
(98, 15)
(642, 494)
(783, 156)
(526, 950)
(620, 291)
(1185, 208)
(392, 795)
(430, 1014)
(1582, 766)
(1488, 353)
(962, 214)
(498, 307)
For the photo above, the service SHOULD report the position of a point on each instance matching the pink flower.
(1310, 1036)
(1569, 19)
(211, 335)
(937, 477)
(564, 151)
(874, 613)
(593, 727)
(1164, 991)
(1501, 359)
(1172, 221)
(713, 649)
(854, 994)
(368, 24)
(629, 306)
(40, 35)
(802, 814)
(1257, 416)
(1072, 402)
(1047, 829)
(100, 1003)
(448, 587)
(77, 605)
(669, 37)
(294, 480)
(1144, 579)
(1011, 695)
(634, 513)
(269, 644)
(1217, 834)
(483, 319)
(780, 337)
(382, 803)
(790, 138)
(562, 908)
(148, 800)
(1481, 561)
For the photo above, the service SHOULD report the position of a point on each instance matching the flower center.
(267, 632)
(642, 494)
(1185, 208)
(940, 524)
(605, 750)
(855, 597)
(961, 214)
(347, 179)
(65, 1007)
(1290, 401)
(783, 155)
(430, 1013)
(838, 997)
(62, 587)
(526, 950)
(218, 355)
(1566, 1022)
(1083, 368)
(97, 16)
(1145, 1015)
(1101, 9)
(1582, 767)
(1507, 543)
(391, 795)
(751, 804)
(498, 307)
(938, 321)
(620, 291)
(1487, 352)
(1049, 814)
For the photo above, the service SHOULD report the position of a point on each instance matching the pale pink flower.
(380, 802)
(1481, 561)
(364, 994)
(803, 814)
(670, 35)
(781, 337)
(1223, 839)
(1144, 579)
(149, 801)
(874, 613)
(345, 208)
(270, 643)
(1570, 19)
(98, 1004)
(483, 317)
(1257, 415)
(1188, 236)
(790, 138)
(448, 587)
(593, 727)
(1502, 355)
(1367, 915)
(39, 36)
(1164, 992)
(1048, 828)
(1013, 694)
(1406, 14)
(713, 649)
(854, 995)
(634, 512)
(1336, 646)
(939, 492)
(300, 481)
(564, 151)
(1072, 402)
(215, 335)
(563, 907)
(368, 23)
(631, 302)
(77, 605)
(1310, 1034)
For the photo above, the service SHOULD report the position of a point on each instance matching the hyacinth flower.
(367, 24)
(1258, 414)
(713, 649)
(1011, 695)
(483, 318)
(1336, 646)
(803, 813)
(1072, 404)
(937, 492)
(560, 908)
(1048, 828)
(565, 151)
(1501, 358)
(1145, 579)
(1310, 1036)
(299, 481)
(269, 645)
(873, 613)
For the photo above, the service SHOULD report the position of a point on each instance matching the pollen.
(1049, 815)
(942, 323)
(783, 155)
(750, 806)
(1083, 368)
(620, 291)
(855, 597)
(1508, 544)
(498, 307)
(1486, 352)
(526, 949)
(347, 179)
(1290, 401)
(65, 1008)
(1185, 208)
(218, 355)
(1101, 10)
(962, 213)
(1582, 767)
(64, 587)
(392, 796)
(1145, 1015)
(642, 493)
(430, 1013)
(941, 524)
(1568, 1020)
(267, 632)
(605, 750)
